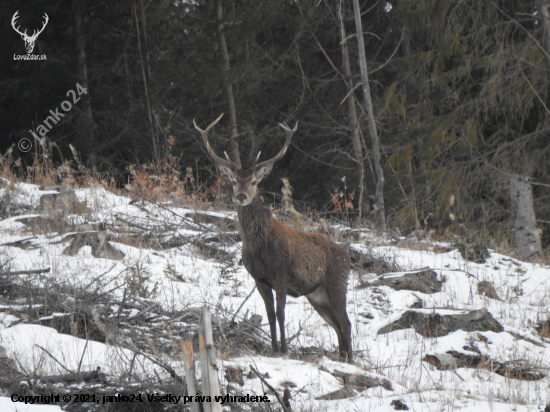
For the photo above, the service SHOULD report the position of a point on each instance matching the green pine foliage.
(460, 92)
(467, 106)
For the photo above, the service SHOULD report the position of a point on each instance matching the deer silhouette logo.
(29, 40)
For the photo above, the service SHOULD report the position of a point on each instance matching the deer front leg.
(281, 303)
(267, 296)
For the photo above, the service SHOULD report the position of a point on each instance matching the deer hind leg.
(281, 303)
(333, 309)
(267, 296)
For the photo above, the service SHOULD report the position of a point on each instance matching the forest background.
(460, 91)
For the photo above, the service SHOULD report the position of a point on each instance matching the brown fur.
(286, 260)
(295, 263)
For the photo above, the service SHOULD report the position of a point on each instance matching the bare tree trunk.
(379, 193)
(525, 225)
(86, 125)
(153, 116)
(149, 109)
(406, 49)
(144, 24)
(363, 204)
(542, 6)
(234, 151)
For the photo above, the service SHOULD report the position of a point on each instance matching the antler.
(289, 133)
(35, 32)
(35, 35)
(204, 133)
(13, 19)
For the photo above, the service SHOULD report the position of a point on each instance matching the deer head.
(29, 40)
(245, 182)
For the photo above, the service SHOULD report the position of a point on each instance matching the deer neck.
(254, 220)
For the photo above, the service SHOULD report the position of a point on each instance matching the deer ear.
(226, 171)
(264, 170)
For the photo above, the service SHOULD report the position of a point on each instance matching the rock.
(473, 253)
(486, 288)
(399, 405)
(424, 280)
(432, 325)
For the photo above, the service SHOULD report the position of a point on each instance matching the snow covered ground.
(397, 356)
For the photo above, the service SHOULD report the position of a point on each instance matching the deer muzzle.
(242, 198)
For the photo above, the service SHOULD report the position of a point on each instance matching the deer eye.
(254, 182)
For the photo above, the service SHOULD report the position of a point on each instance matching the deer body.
(286, 260)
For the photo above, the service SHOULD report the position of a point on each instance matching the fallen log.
(423, 280)
(452, 360)
(22, 243)
(432, 325)
(26, 272)
(69, 378)
(354, 383)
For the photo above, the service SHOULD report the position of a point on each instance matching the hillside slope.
(153, 267)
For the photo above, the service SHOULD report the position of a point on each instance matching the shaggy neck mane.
(254, 220)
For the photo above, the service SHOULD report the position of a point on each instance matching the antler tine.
(288, 129)
(210, 126)
(257, 158)
(43, 26)
(289, 133)
(13, 22)
(204, 133)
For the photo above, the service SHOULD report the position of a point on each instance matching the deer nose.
(241, 197)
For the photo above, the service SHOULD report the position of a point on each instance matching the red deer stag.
(283, 259)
